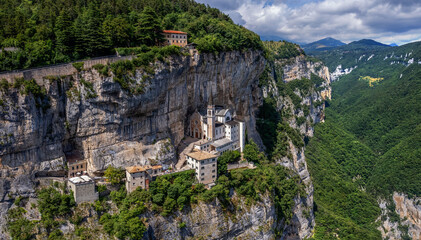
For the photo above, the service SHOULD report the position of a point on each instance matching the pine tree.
(117, 31)
(148, 29)
(91, 41)
(64, 35)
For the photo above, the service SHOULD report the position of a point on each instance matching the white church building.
(217, 129)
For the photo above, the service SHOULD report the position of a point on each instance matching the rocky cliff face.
(300, 67)
(303, 220)
(210, 221)
(90, 116)
(408, 225)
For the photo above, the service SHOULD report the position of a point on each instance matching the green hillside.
(353, 54)
(371, 139)
(49, 32)
(340, 166)
(322, 45)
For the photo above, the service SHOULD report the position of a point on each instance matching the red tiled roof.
(135, 169)
(172, 31)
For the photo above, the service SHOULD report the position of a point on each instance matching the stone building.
(83, 188)
(76, 165)
(219, 130)
(175, 38)
(141, 176)
(205, 164)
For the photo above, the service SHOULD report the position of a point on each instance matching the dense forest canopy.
(48, 32)
(368, 148)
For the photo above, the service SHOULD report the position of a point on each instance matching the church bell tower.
(211, 119)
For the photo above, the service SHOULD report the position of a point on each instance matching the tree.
(90, 38)
(117, 31)
(224, 159)
(114, 175)
(136, 228)
(148, 29)
(64, 36)
(252, 153)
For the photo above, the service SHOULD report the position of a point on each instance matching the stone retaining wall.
(57, 70)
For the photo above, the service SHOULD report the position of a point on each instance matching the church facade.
(217, 129)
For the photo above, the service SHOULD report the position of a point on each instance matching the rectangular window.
(213, 165)
(213, 170)
(202, 179)
(77, 167)
(73, 168)
(213, 176)
(203, 174)
(202, 168)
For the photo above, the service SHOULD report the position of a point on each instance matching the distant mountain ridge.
(365, 43)
(322, 44)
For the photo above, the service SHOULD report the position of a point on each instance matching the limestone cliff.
(408, 224)
(89, 115)
(297, 68)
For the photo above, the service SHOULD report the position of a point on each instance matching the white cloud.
(348, 20)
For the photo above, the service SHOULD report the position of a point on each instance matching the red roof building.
(177, 38)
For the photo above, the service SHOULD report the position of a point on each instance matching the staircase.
(184, 147)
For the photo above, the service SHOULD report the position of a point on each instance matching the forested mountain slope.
(377, 106)
(49, 32)
(322, 45)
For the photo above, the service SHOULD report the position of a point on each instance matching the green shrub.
(306, 110)
(252, 153)
(18, 82)
(89, 88)
(101, 188)
(224, 159)
(304, 85)
(182, 225)
(132, 51)
(317, 81)
(102, 69)
(114, 175)
(127, 223)
(56, 235)
(78, 66)
(122, 72)
(51, 203)
(18, 226)
(301, 120)
(4, 85)
(281, 50)
(18, 200)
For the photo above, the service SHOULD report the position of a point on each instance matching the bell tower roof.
(210, 101)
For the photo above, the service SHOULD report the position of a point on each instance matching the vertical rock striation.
(89, 115)
(303, 221)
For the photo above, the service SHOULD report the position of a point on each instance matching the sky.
(304, 21)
